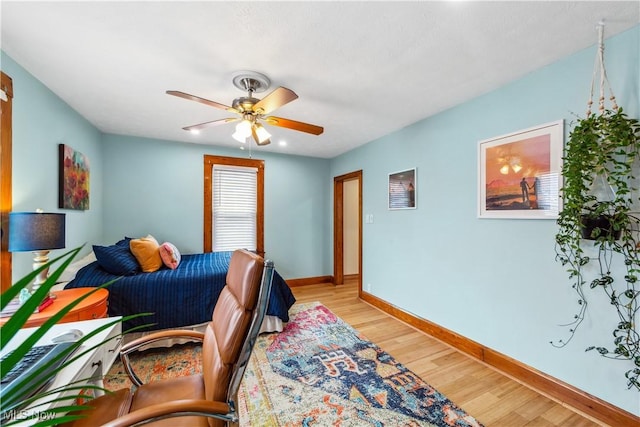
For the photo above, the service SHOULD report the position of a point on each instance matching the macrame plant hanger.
(598, 67)
(600, 187)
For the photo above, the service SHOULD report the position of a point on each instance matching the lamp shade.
(261, 133)
(34, 231)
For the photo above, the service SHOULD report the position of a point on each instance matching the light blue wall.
(41, 121)
(156, 187)
(297, 230)
(493, 281)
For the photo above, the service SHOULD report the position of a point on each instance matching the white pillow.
(70, 272)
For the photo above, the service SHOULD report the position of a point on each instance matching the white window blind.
(234, 207)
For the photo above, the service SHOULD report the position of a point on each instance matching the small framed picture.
(402, 189)
(73, 171)
(520, 173)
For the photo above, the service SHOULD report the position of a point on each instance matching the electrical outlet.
(368, 287)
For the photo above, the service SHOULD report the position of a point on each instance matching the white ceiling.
(361, 69)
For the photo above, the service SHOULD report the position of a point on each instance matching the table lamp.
(36, 232)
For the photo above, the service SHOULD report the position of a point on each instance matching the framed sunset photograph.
(520, 173)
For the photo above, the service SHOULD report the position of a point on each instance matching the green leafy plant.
(603, 150)
(10, 403)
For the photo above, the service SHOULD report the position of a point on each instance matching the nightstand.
(92, 307)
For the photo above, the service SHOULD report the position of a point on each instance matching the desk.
(89, 368)
(92, 307)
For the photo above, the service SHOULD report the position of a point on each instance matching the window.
(234, 207)
(233, 204)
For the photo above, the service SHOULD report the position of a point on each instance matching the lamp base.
(40, 258)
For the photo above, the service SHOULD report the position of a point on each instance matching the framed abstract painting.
(73, 179)
(520, 173)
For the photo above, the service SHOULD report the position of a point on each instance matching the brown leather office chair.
(207, 399)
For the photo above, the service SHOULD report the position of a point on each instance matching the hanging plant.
(600, 197)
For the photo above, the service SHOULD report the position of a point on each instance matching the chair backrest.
(235, 325)
(252, 335)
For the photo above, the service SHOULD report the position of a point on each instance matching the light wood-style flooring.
(491, 397)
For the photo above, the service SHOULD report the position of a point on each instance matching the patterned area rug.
(319, 371)
(156, 364)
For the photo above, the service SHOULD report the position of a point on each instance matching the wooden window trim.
(209, 161)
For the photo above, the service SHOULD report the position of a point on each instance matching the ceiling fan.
(252, 111)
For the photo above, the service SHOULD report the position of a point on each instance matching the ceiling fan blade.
(201, 100)
(213, 123)
(292, 124)
(275, 99)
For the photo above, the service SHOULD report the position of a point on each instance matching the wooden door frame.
(338, 227)
(6, 198)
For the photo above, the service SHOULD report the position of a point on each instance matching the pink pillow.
(170, 255)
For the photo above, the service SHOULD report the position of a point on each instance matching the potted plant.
(19, 318)
(600, 169)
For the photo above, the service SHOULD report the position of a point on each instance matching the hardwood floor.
(491, 397)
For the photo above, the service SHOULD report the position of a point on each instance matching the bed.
(183, 297)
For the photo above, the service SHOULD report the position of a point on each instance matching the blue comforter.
(181, 297)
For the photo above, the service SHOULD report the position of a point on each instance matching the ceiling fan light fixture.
(262, 133)
(238, 137)
(243, 131)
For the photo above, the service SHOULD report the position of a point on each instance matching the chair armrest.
(176, 408)
(159, 336)
(136, 344)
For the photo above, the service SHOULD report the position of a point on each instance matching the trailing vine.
(604, 148)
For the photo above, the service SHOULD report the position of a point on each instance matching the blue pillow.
(116, 259)
(124, 242)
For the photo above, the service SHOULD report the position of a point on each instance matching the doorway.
(347, 228)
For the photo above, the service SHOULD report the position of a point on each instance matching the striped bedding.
(177, 298)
